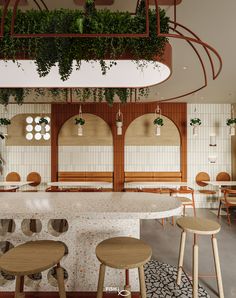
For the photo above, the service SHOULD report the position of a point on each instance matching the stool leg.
(217, 266)
(60, 281)
(101, 281)
(181, 257)
(127, 286)
(195, 268)
(142, 282)
(19, 287)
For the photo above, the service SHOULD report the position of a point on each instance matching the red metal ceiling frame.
(4, 13)
(195, 39)
(78, 35)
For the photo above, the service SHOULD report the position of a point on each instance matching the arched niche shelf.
(149, 153)
(90, 153)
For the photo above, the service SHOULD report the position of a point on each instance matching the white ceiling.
(214, 22)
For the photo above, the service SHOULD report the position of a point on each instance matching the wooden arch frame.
(177, 112)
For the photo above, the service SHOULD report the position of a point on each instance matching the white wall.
(213, 118)
(26, 159)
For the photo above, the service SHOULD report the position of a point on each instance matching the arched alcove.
(147, 152)
(91, 152)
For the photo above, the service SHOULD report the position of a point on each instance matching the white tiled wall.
(26, 159)
(152, 158)
(86, 158)
(213, 117)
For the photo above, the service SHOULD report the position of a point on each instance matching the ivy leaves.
(49, 51)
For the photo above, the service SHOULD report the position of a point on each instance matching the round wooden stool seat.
(32, 257)
(198, 225)
(123, 252)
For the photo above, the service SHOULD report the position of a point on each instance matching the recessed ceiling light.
(185, 67)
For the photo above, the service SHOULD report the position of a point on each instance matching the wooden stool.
(199, 226)
(34, 257)
(123, 253)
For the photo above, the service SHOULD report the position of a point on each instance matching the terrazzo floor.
(165, 244)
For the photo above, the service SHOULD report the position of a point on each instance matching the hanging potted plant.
(80, 122)
(195, 122)
(119, 122)
(231, 123)
(158, 122)
(4, 122)
(43, 122)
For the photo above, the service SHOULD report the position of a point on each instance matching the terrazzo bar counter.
(80, 220)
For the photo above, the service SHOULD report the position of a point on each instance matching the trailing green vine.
(108, 95)
(49, 51)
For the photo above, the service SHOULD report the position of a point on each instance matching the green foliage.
(5, 121)
(83, 94)
(158, 121)
(79, 121)
(49, 51)
(17, 94)
(231, 121)
(43, 120)
(195, 121)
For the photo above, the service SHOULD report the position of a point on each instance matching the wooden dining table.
(220, 184)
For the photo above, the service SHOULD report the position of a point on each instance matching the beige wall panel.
(17, 131)
(233, 150)
(141, 132)
(95, 132)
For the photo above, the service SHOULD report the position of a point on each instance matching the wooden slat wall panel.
(177, 112)
(85, 176)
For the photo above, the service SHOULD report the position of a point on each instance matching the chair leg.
(60, 281)
(142, 282)
(217, 266)
(195, 267)
(184, 210)
(181, 257)
(219, 209)
(193, 203)
(101, 281)
(228, 214)
(19, 288)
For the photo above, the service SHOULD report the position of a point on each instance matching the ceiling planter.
(123, 75)
(95, 48)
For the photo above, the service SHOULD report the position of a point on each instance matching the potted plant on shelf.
(195, 122)
(4, 122)
(80, 122)
(158, 122)
(43, 122)
(231, 123)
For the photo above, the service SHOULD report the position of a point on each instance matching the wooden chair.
(223, 176)
(32, 258)
(199, 226)
(13, 177)
(229, 200)
(36, 178)
(185, 200)
(123, 253)
(203, 176)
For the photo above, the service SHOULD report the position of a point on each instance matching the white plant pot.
(232, 130)
(158, 130)
(195, 130)
(80, 130)
(119, 125)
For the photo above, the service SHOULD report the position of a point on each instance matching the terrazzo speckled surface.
(91, 218)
